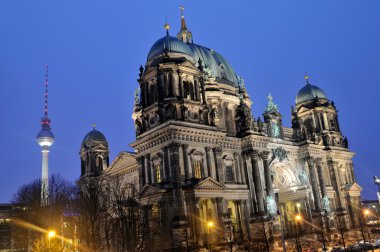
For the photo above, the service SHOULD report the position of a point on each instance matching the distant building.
(206, 164)
(373, 207)
(6, 216)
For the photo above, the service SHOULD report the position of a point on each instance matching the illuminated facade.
(206, 164)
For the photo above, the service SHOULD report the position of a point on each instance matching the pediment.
(354, 188)
(123, 159)
(148, 190)
(187, 64)
(209, 184)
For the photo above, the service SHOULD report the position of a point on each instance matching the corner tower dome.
(309, 92)
(95, 135)
(168, 44)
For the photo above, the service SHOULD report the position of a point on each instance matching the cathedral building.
(203, 161)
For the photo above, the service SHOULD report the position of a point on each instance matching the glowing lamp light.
(210, 224)
(298, 217)
(51, 234)
(298, 205)
(366, 212)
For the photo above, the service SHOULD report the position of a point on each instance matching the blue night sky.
(94, 50)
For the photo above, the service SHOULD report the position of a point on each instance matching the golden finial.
(307, 78)
(94, 125)
(167, 26)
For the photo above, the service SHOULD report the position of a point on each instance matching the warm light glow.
(366, 212)
(298, 217)
(298, 205)
(51, 234)
(210, 224)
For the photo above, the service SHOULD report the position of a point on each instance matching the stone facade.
(206, 164)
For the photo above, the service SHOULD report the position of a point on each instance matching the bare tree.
(33, 218)
(93, 216)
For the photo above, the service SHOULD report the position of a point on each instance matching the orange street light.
(366, 212)
(51, 234)
(210, 224)
(298, 217)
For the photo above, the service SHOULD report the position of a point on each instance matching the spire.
(183, 21)
(184, 34)
(93, 126)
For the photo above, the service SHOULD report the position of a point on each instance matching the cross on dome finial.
(270, 97)
(166, 26)
(182, 9)
(307, 78)
(94, 126)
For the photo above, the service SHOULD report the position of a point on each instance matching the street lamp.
(376, 180)
(366, 213)
(210, 225)
(298, 219)
(51, 234)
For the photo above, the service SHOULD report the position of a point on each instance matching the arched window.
(197, 165)
(229, 174)
(158, 173)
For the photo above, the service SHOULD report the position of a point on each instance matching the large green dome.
(214, 62)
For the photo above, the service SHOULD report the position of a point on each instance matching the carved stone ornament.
(279, 153)
(271, 205)
(326, 204)
(302, 177)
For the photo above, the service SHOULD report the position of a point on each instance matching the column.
(205, 169)
(188, 170)
(176, 181)
(326, 122)
(210, 163)
(238, 178)
(148, 174)
(198, 221)
(335, 183)
(140, 163)
(219, 165)
(203, 91)
(267, 174)
(162, 166)
(257, 181)
(237, 204)
(167, 164)
(252, 194)
(314, 184)
(219, 207)
(322, 182)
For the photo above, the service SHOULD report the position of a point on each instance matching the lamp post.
(323, 232)
(376, 180)
(51, 234)
(298, 219)
(210, 225)
(366, 213)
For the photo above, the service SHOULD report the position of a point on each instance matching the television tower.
(45, 139)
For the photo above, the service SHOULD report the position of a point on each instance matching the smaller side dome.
(168, 44)
(309, 93)
(94, 135)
